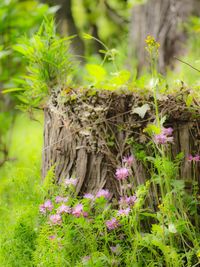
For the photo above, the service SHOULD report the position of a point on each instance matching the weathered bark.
(161, 19)
(88, 138)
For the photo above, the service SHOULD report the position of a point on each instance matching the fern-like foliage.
(49, 64)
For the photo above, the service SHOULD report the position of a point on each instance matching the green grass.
(20, 187)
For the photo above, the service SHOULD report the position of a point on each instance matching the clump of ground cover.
(93, 231)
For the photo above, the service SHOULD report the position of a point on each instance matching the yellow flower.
(151, 42)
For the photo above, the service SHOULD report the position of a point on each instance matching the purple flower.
(112, 224)
(61, 199)
(42, 209)
(125, 200)
(190, 158)
(122, 212)
(46, 206)
(195, 158)
(116, 249)
(103, 193)
(78, 211)
(55, 219)
(121, 173)
(89, 196)
(131, 200)
(163, 139)
(167, 131)
(71, 181)
(63, 209)
(129, 160)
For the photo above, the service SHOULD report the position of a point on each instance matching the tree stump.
(87, 134)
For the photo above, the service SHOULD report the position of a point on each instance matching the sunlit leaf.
(10, 90)
(97, 72)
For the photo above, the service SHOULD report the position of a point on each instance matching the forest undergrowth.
(46, 224)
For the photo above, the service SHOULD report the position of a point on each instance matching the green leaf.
(87, 36)
(152, 129)
(12, 90)
(97, 72)
(163, 119)
(20, 48)
(189, 100)
(121, 78)
(148, 214)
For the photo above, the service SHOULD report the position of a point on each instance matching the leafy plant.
(49, 65)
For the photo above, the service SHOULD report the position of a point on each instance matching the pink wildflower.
(61, 199)
(163, 139)
(125, 200)
(131, 200)
(112, 224)
(42, 209)
(89, 196)
(71, 181)
(129, 160)
(195, 158)
(167, 131)
(78, 211)
(190, 158)
(121, 173)
(122, 212)
(55, 219)
(103, 193)
(63, 209)
(46, 206)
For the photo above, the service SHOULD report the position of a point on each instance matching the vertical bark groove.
(91, 148)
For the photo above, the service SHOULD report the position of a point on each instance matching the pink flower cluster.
(127, 201)
(194, 159)
(47, 206)
(71, 181)
(63, 209)
(128, 160)
(55, 219)
(112, 224)
(122, 173)
(78, 211)
(164, 137)
(89, 196)
(59, 199)
(101, 193)
(124, 212)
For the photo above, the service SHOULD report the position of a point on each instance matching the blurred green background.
(20, 133)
